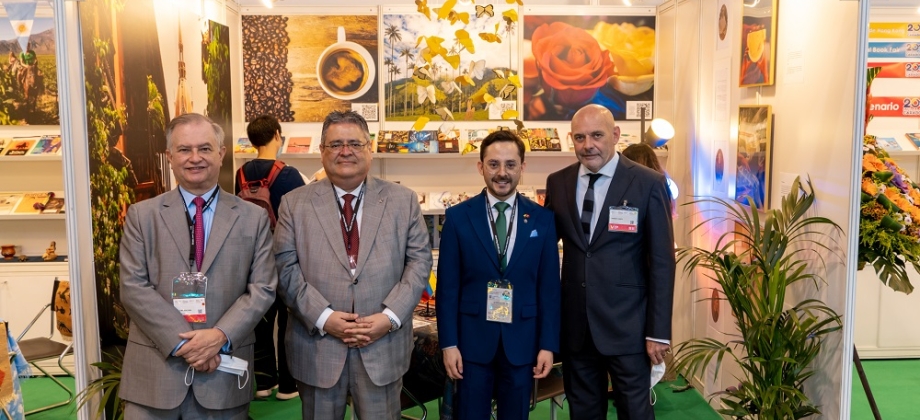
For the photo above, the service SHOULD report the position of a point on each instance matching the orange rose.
(571, 62)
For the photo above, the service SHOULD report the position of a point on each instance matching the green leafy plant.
(775, 343)
(107, 386)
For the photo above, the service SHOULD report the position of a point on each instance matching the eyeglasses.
(338, 146)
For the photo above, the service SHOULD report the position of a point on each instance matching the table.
(12, 410)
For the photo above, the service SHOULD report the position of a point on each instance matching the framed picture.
(758, 42)
(752, 170)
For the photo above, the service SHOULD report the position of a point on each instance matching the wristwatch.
(393, 325)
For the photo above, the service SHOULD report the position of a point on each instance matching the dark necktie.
(199, 231)
(350, 236)
(587, 207)
(501, 230)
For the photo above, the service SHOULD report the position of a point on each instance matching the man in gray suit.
(175, 346)
(353, 258)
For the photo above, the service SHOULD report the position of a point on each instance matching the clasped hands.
(202, 349)
(357, 331)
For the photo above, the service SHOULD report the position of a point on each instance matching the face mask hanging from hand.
(657, 373)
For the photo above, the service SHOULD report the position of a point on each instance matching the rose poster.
(572, 61)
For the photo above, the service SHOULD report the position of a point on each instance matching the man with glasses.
(353, 258)
(498, 288)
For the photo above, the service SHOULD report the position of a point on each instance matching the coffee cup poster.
(758, 40)
(302, 67)
(28, 72)
(457, 63)
(573, 61)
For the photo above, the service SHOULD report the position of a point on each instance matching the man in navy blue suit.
(498, 289)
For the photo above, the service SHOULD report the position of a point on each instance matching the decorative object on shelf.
(50, 254)
(31, 203)
(777, 341)
(758, 43)
(8, 251)
(23, 258)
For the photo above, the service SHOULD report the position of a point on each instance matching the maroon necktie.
(350, 236)
(199, 231)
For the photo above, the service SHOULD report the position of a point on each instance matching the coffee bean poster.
(301, 67)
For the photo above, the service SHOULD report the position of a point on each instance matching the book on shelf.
(8, 202)
(449, 142)
(47, 145)
(29, 200)
(914, 139)
(299, 145)
(542, 139)
(425, 141)
(4, 143)
(473, 139)
(392, 141)
(54, 205)
(889, 144)
(20, 146)
(243, 145)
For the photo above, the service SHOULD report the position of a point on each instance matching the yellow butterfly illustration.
(463, 37)
(465, 79)
(499, 73)
(477, 69)
(426, 92)
(493, 37)
(420, 123)
(454, 16)
(444, 113)
(469, 148)
(519, 2)
(423, 73)
(423, 8)
(449, 87)
(510, 16)
(446, 8)
(481, 11)
(508, 92)
(509, 114)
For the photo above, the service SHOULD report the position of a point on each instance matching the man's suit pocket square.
(534, 234)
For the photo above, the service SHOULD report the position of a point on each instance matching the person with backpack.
(253, 179)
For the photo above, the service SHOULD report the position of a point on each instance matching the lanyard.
(191, 223)
(349, 224)
(502, 252)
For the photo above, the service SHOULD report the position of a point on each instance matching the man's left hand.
(544, 364)
(202, 346)
(657, 351)
(374, 326)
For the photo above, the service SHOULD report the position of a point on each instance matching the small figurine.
(23, 258)
(49, 254)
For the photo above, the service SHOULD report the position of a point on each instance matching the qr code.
(368, 111)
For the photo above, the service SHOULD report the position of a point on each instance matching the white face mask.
(228, 364)
(657, 373)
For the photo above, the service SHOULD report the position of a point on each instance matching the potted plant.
(776, 342)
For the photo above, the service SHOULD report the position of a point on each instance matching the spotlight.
(658, 133)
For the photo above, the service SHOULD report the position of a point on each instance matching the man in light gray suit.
(353, 258)
(174, 347)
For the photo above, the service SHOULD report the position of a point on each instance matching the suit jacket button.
(582, 284)
(355, 282)
(588, 255)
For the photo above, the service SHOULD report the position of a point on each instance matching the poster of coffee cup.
(482, 42)
(301, 67)
(573, 61)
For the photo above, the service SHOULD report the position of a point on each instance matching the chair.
(35, 350)
(550, 387)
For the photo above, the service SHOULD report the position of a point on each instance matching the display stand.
(865, 384)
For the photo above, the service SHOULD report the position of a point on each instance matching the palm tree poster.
(301, 67)
(28, 74)
(450, 64)
(573, 61)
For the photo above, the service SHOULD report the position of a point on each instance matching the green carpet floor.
(894, 383)
(670, 406)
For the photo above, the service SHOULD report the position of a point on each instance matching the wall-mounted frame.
(754, 157)
(758, 42)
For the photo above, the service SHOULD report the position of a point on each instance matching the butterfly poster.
(447, 61)
(614, 66)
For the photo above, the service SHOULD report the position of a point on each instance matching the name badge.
(623, 219)
(499, 299)
(188, 296)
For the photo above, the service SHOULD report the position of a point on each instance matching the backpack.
(257, 192)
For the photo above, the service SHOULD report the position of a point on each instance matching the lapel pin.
(526, 216)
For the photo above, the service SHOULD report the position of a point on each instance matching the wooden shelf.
(42, 217)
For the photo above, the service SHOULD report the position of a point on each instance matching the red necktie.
(199, 231)
(351, 237)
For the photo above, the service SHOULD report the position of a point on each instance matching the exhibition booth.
(758, 92)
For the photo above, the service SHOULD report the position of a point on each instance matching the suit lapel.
(327, 211)
(480, 221)
(225, 216)
(373, 205)
(524, 228)
(622, 178)
(174, 216)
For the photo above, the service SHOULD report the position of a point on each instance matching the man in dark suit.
(498, 288)
(613, 216)
(265, 134)
(173, 348)
(353, 258)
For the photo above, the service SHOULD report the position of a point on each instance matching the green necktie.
(501, 230)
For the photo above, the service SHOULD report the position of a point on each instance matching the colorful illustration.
(903, 70)
(453, 64)
(758, 33)
(887, 30)
(301, 67)
(29, 72)
(894, 50)
(572, 61)
(753, 164)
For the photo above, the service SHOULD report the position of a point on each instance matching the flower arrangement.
(889, 224)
